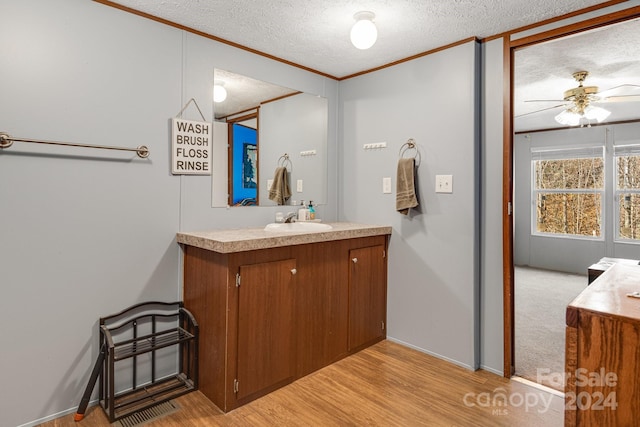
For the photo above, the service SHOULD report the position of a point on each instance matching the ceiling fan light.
(219, 93)
(596, 113)
(568, 118)
(364, 32)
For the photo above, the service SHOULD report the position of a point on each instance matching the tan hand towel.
(279, 191)
(405, 186)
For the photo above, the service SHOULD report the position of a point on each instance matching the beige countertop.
(248, 239)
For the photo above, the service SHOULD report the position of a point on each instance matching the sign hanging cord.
(179, 115)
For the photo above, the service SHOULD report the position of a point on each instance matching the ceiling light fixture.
(581, 97)
(364, 33)
(596, 113)
(219, 92)
(568, 118)
(573, 116)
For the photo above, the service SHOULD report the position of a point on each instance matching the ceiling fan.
(579, 101)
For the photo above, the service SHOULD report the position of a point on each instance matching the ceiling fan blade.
(544, 100)
(631, 90)
(622, 98)
(539, 111)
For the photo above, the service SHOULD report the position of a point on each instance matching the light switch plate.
(386, 185)
(444, 183)
(299, 186)
(269, 184)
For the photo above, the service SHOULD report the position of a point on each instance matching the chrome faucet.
(291, 217)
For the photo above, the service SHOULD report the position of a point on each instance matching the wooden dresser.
(603, 352)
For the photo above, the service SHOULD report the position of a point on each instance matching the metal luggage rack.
(144, 329)
(151, 342)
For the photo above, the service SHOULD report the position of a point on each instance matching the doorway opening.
(243, 160)
(538, 285)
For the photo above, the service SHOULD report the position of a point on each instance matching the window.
(568, 191)
(627, 191)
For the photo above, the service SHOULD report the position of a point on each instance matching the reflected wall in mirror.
(284, 122)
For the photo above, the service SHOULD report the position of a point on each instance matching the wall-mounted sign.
(191, 147)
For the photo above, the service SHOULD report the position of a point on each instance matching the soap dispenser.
(312, 211)
(303, 212)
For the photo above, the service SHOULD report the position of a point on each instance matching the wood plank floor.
(384, 385)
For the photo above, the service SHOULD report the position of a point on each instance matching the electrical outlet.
(269, 184)
(299, 186)
(386, 185)
(444, 183)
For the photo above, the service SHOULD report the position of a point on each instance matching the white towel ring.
(411, 145)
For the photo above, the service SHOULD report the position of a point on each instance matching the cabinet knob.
(294, 271)
(354, 260)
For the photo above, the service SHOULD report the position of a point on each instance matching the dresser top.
(248, 239)
(608, 294)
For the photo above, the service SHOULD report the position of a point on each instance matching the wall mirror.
(259, 127)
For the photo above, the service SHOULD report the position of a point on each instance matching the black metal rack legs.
(141, 329)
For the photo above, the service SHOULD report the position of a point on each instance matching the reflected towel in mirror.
(279, 191)
(405, 186)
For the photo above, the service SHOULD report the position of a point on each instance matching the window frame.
(565, 153)
(628, 149)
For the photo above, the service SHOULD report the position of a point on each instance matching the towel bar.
(7, 141)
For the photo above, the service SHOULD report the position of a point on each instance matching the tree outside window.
(568, 187)
(627, 165)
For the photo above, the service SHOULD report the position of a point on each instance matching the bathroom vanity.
(274, 305)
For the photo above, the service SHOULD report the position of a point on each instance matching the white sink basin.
(298, 227)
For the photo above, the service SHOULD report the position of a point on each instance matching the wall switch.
(299, 186)
(444, 183)
(386, 185)
(269, 184)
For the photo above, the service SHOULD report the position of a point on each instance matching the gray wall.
(491, 301)
(433, 276)
(86, 233)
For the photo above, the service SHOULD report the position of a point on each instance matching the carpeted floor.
(541, 298)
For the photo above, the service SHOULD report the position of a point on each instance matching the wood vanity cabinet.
(265, 326)
(270, 316)
(368, 291)
(603, 352)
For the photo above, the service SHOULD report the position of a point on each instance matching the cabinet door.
(367, 295)
(265, 319)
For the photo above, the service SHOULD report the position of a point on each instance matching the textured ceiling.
(544, 71)
(315, 33)
(244, 93)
